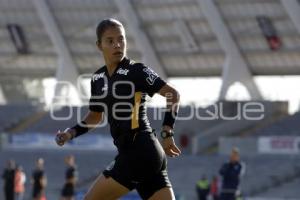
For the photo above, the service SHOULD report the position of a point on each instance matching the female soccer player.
(119, 90)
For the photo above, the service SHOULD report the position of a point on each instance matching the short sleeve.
(147, 80)
(95, 103)
(70, 173)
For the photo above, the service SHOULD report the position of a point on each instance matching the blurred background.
(236, 64)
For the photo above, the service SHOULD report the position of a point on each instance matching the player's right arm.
(223, 169)
(91, 120)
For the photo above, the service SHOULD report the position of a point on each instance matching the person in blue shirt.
(231, 173)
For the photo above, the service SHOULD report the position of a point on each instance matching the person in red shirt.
(214, 188)
(20, 179)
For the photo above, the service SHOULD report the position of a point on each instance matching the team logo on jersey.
(123, 71)
(105, 87)
(97, 76)
(152, 76)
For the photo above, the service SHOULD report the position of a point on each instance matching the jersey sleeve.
(147, 80)
(95, 104)
(223, 169)
(243, 169)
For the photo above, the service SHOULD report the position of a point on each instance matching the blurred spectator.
(231, 172)
(214, 188)
(8, 177)
(20, 179)
(39, 181)
(71, 177)
(202, 188)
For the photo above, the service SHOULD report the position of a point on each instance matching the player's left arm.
(43, 180)
(243, 169)
(148, 81)
(172, 101)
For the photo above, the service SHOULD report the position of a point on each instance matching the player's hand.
(63, 137)
(170, 147)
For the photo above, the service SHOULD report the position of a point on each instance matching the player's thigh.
(105, 189)
(165, 193)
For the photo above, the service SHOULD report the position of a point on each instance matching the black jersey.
(71, 172)
(37, 176)
(122, 95)
(231, 173)
(9, 178)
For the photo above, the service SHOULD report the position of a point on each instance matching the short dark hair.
(105, 24)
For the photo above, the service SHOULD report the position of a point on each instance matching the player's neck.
(111, 68)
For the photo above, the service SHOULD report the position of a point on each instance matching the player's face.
(40, 163)
(234, 157)
(70, 160)
(113, 44)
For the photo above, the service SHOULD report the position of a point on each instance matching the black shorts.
(68, 190)
(141, 164)
(227, 196)
(37, 192)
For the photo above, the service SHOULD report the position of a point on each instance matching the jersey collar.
(123, 63)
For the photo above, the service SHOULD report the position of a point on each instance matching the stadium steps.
(12, 114)
(286, 191)
(226, 128)
(27, 122)
(263, 124)
(245, 127)
(277, 181)
(213, 148)
(247, 131)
